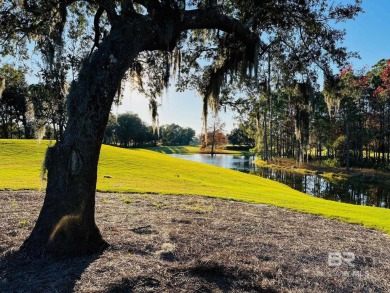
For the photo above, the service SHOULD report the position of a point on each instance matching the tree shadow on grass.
(171, 149)
(19, 273)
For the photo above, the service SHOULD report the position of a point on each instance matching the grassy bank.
(175, 149)
(145, 171)
(193, 150)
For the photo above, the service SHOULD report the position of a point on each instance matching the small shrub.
(23, 222)
(333, 163)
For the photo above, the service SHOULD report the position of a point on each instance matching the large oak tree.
(132, 34)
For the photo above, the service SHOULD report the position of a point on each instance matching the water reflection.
(240, 163)
(345, 191)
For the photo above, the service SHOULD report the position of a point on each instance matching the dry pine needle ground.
(195, 244)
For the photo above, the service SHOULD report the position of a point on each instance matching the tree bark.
(66, 224)
(265, 137)
(347, 140)
(269, 103)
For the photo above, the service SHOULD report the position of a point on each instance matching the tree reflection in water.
(343, 191)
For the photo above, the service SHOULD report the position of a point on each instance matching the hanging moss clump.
(153, 108)
(2, 85)
(331, 94)
(232, 62)
(176, 62)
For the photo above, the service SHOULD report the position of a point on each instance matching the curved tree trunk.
(66, 224)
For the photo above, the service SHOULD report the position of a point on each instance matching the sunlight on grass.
(21, 163)
(145, 171)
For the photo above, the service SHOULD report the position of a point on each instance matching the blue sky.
(368, 34)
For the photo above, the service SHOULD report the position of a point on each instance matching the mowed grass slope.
(191, 150)
(21, 163)
(144, 171)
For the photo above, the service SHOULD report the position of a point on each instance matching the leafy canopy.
(209, 44)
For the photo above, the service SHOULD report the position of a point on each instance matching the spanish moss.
(331, 88)
(229, 64)
(2, 85)
(153, 108)
(204, 116)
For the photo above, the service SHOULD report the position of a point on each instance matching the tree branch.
(127, 8)
(96, 28)
(212, 19)
(109, 7)
(150, 5)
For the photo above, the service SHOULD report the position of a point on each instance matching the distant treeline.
(129, 130)
(347, 123)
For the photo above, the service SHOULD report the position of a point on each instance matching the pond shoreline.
(329, 186)
(367, 176)
(145, 171)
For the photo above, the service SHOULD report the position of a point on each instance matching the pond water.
(344, 191)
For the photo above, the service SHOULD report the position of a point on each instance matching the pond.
(344, 191)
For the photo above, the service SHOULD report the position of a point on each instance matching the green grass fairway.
(145, 171)
(175, 149)
(191, 150)
(21, 163)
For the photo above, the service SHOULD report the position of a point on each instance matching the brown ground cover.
(195, 244)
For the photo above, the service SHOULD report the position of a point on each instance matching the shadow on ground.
(162, 243)
(19, 273)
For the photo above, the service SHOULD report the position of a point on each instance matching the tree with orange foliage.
(216, 139)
